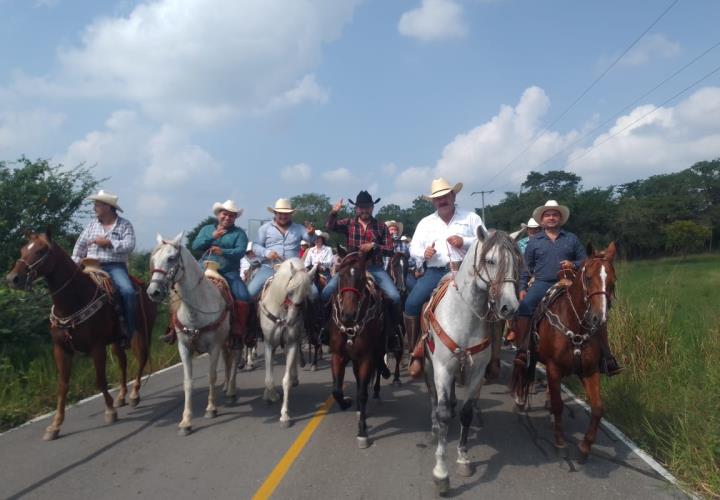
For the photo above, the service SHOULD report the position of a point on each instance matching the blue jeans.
(410, 280)
(261, 276)
(119, 275)
(382, 278)
(534, 295)
(237, 286)
(422, 290)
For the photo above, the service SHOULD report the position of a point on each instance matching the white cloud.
(650, 48)
(389, 169)
(434, 20)
(25, 131)
(306, 90)
(174, 161)
(296, 173)
(339, 175)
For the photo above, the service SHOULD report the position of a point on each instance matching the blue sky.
(183, 103)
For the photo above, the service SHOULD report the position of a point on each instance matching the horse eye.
(490, 262)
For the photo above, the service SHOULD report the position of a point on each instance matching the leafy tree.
(311, 207)
(554, 183)
(685, 236)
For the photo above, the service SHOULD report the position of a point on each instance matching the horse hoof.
(345, 403)
(295, 383)
(285, 423)
(249, 368)
(110, 418)
(119, 403)
(464, 469)
(134, 402)
(561, 451)
(396, 382)
(51, 435)
(363, 442)
(230, 399)
(211, 414)
(584, 450)
(442, 486)
(184, 431)
(313, 368)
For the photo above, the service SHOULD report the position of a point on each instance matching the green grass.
(666, 329)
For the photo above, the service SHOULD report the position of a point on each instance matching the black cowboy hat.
(363, 199)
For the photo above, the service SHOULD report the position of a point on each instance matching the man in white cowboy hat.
(226, 244)
(248, 262)
(400, 245)
(278, 239)
(440, 239)
(533, 229)
(110, 239)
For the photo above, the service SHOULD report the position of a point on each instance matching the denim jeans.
(422, 290)
(534, 295)
(261, 276)
(237, 286)
(119, 275)
(382, 278)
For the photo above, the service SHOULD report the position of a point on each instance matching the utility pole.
(482, 197)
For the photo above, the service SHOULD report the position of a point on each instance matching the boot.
(608, 364)
(522, 331)
(238, 323)
(415, 348)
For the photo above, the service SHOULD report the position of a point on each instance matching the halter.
(286, 305)
(33, 273)
(492, 287)
(171, 275)
(360, 321)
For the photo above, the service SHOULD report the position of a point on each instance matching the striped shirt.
(122, 241)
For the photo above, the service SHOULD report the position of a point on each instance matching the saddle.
(91, 267)
(217, 279)
(565, 277)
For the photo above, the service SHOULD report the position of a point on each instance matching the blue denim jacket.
(543, 256)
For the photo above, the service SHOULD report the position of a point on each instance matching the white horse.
(282, 323)
(202, 319)
(461, 327)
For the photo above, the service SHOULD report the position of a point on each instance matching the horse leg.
(592, 389)
(443, 385)
(211, 409)
(121, 357)
(476, 376)
(99, 355)
(289, 380)
(432, 390)
(270, 395)
(398, 357)
(376, 385)
(338, 372)
(63, 362)
(141, 350)
(185, 424)
(230, 357)
(556, 404)
(366, 371)
(300, 349)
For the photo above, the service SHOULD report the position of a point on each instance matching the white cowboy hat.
(303, 242)
(228, 206)
(320, 234)
(249, 247)
(105, 197)
(552, 205)
(282, 206)
(403, 238)
(441, 187)
(397, 224)
(531, 224)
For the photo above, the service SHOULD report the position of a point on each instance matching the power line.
(584, 92)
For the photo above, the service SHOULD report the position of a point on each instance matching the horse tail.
(522, 378)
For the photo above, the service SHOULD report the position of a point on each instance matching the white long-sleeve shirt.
(322, 256)
(432, 229)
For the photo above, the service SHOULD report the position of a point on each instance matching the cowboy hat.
(249, 247)
(441, 187)
(531, 224)
(105, 197)
(552, 205)
(398, 225)
(403, 238)
(363, 199)
(320, 234)
(303, 242)
(228, 206)
(282, 206)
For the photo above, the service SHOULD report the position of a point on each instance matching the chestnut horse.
(570, 332)
(84, 319)
(355, 334)
(398, 269)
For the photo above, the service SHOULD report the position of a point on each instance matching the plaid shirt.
(120, 234)
(376, 232)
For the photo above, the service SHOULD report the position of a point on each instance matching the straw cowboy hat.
(320, 234)
(552, 205)
(105, 197)
(441, 187)
(282, 206)
(531, 224)
(363, 199)
(249, 247)
(398, 225)
(228, 206)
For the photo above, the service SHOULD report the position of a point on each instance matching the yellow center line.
(283, 466)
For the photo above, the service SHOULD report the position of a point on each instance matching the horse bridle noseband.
(170, 276)
(34, 275)
(492, 286)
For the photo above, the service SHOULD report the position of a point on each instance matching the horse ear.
(342, 251)
(589, 249)
(313, 272)
(159, 239)
(611, 251)
(178, 239)
(481, 233)
(48, 233)
(28, 234)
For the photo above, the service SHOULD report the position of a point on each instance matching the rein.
(34, 275)
(367, 301)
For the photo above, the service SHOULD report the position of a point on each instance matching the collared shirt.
(286, 245)
(233, 244)
(375, 232)
(400, 247)
(522, 244)
(120, 234)
(543, 256)
(432, 229)
(322, 256)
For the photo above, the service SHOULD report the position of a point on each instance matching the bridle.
(170, 276)
(365, 303)
(492, 286)
(33, 274)
(280, 321)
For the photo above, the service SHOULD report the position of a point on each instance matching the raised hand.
(337, 206)
(218, 233)
(430, 251)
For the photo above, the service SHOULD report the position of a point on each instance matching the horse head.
(398, 271)
(36, 259)
(497, 265)
(165, 263)
(351, 286)
(597, 277)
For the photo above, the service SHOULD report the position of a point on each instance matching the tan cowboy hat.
(398, 225)
(228, 206)
(441, 187)
(249, 247)
(105, 197)
(531, 224)
(552, 205)
(282, 206)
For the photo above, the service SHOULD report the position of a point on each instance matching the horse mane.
(285, 281)
(505, 242)
(350, 260)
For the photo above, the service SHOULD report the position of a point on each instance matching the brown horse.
(355, 334)
(398, 269)
(84, 319)
(571, 332)
(314, 323)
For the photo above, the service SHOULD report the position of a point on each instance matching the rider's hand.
(367, 247)
(273, 255)
(566, 264)
(337, 207)
(430, 251)
(103, 242)
(215, 250)
(455, 241)
(523, 293)
(418, 274)
(218, 233)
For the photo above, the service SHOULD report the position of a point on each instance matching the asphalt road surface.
(244, 448)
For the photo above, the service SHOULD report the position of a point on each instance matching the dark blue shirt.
(543, 256)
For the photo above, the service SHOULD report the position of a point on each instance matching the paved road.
(232, 455)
